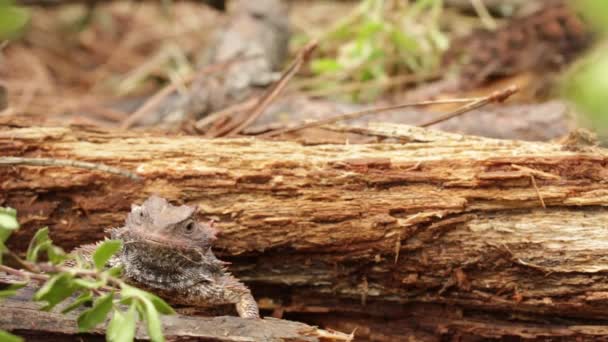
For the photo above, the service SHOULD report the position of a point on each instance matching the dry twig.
(473, 103)
(274, 91)
(498, 96)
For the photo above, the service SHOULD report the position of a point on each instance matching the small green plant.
(86, 283)
(381, 38)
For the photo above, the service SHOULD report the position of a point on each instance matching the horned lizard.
(166, 251)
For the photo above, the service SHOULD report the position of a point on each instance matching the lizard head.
(157, 224)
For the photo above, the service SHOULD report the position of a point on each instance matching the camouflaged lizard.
(167, 252)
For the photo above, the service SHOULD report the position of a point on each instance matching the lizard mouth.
(161, 241)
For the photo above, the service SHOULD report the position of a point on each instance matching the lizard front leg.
(237, 293)
(247, 307)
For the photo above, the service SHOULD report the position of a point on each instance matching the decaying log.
(505, 238)
(23, 317)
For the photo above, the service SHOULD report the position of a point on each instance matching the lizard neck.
(166, 269)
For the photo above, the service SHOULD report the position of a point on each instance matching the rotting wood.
(67, 163)
(22, 316)
(315, 227)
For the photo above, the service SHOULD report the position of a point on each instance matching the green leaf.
(104, 252)
(122, 326)
(89, 319)
(42, 242)
(325, 65)
(90, 284)
(7, 337)
(8, 223)
(11, 290)
(85, 297)
(12, 19)
(56, 255)
(39, 242)
(594, 11)
(8, 219)
(56, 289)
(2, 250)
(160, 304)
(153, 321)
(147, 308)
(115, 271)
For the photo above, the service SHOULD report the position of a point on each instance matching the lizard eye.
(189, 227)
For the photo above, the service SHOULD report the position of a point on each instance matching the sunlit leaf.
(105, 251)
(8, 222)
(8, 218)
(122, 326)
(90, 318)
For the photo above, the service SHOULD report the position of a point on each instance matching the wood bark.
(431, 234)
(21, 315)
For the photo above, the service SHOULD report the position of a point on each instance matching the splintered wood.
(446, 224)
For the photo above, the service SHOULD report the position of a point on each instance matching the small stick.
(473, 103)
(540, 196)
(397, 248)
(498, 96)
(221, 114)
(275, 90)
(359, 114)
(66, 163)
(540, 174)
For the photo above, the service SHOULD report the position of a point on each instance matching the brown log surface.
(384, 229)
(21, 315)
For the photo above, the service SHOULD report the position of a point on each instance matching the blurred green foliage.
(381, 38)
(586, 84)
(595, 11)
(12, 19)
